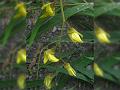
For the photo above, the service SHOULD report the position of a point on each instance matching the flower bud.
(21, 81)
(48, 81)
(48, 10)
(49, 55)
(20, 10)
(21, 56)
(102, 35)
(75, 36)
(97, 70)
(70, 70)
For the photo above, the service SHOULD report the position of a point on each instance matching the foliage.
(81, 56)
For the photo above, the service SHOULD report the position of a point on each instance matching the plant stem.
(38, 67)
(63, 22)
(63, 19)
(62, 11)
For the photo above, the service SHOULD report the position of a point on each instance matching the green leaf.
(104, 8)
(13, 83)
(107, 64)
(81, 65)
(56, 20)
(10, 29)
(60, 69)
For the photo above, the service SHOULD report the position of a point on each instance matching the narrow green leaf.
(104, 8)
(56, 20)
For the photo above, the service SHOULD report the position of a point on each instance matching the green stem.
(63, 22)
(38, 67)
(62, 11)
(63, 19)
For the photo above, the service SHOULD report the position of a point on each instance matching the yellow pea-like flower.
(20, 10)
(48, 81)
(21, 56)
(70, 70)
(48, 10)
(49, 55)
(75, 36)
(102, 35)
(97, 70)
(21, 81)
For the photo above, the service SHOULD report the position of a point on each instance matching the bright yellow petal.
(21, 56)
(102, 36)
(70, 70)
(49, 55)
(98, 71)
(45, 5)
(48, 10)
(48, 81)
(76, 38)
(21, 81)
(21, 10)
(52, 58)
(45, 58)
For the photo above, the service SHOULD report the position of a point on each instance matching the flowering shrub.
(59, 44)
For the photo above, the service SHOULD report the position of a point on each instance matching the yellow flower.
(70, 70)
(21, 56)
(21, 81)
(102, 36)
(98, 71)
(21, 10)
(75, 36)
(48, 10)
(49, 55)
(48, 81)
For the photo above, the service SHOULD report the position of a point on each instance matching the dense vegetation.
(59, 44)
